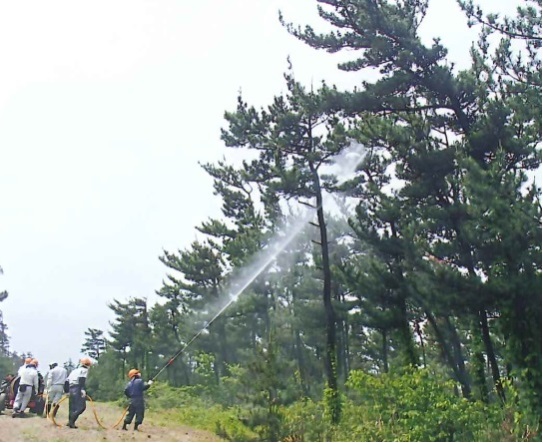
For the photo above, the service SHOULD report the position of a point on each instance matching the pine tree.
(95, 343)
(294, 140)
(130, 334)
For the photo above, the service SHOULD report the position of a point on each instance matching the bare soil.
(36, 428)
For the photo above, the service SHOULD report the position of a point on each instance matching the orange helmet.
(85, 361)
(34, 362)
(28, 360)
(132, 373)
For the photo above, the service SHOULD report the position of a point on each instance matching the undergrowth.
(413, 406)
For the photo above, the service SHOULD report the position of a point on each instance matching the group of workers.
(58, 382)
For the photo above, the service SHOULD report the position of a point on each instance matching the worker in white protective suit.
(27, 383)
(23, 366)
(78, 396)
(54, 383)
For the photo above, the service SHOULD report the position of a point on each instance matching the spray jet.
(347, 162)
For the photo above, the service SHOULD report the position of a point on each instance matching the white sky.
(105, 109)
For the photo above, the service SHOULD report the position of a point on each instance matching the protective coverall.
(55, 386)
(134, 391)
(77, 401)
(27, 383)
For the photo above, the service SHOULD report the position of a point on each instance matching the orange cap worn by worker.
(132, 373)
(85, 361)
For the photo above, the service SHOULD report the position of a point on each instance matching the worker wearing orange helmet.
(78, 396)
(28, 382)
(27, 361)
(134, 391)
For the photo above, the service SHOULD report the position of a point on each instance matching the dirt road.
(35, 428)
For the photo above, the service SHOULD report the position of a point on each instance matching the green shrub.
(304, 421)
(163, 396)
(415, 406)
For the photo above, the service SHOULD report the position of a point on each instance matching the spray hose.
(51, 417)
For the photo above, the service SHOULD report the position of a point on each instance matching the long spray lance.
(234, 297)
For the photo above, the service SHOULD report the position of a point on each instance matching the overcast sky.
(106, 108)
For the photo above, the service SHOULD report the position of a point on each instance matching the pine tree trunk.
(343, 341)
(526, 330)
(408, 351)
(459, 371)
(408, 348)
(385, 350)
(301, 363)
(457, 354)
(478, 363)
(341, 356)
(344, 350)
(483, 323)
(330, 354)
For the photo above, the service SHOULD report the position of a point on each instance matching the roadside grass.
(221, 421)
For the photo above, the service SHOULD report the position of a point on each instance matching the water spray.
(253, 272)
(347, 164)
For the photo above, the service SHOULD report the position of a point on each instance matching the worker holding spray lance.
(136, 387)
(134, 391)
